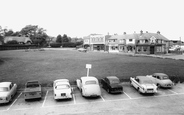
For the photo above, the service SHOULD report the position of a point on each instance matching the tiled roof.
(138, 36)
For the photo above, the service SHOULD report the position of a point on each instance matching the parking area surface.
(48, 102)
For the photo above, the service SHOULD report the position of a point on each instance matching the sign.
(89, 66)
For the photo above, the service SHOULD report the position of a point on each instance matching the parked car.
(7, 91)
(62, 89)
(161, 80)
(112, 84)
(32, 90)
(143, 84)
(89, 86)
(82, 50)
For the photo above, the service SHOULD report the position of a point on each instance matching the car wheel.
(108, 90)
(158, 85)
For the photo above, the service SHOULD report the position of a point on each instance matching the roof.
(4, 84)
(112, 77)
(149, 35)
(139, 36)
(18, 39)
(143, 77)
(85, 78)
(161, 74)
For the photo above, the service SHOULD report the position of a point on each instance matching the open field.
(46, 66)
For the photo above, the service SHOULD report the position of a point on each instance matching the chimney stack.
(124, 33)
(141, 32)
(158, 32)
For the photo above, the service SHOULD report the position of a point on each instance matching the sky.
(78, 18)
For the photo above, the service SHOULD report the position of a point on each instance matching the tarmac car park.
(105, 100)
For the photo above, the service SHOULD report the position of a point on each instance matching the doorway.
(152, 49)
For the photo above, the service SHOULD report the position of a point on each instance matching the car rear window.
(114, 81)
(62, 87)
(90, 82)
(30, 85)
(2, 89)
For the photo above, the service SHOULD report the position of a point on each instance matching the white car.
(7, 91)
(161, 80)
(143, 84)
(82, 50)
(62, 89)
(89, 86)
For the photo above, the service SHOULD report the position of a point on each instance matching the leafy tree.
(9, 33)
(65, 38)
(59, 39)
(37, 35)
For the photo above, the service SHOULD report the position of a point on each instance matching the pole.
(87, 72)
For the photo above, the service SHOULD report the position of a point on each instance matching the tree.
(9, 33)
(65, 38)
(36, 34)
(59, 39)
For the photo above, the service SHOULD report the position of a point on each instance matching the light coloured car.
(143, 84)
(62, 89)
(32, 90)
(89, 86)
(7, 91)
(161, 80)
(82, 50)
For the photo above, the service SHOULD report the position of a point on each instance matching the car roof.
(4, 84)
(112, 77)
(85, 78)
(143, 77)
(160, 74)
(61, 81)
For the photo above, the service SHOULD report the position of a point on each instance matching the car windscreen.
(90, 82)
(145, 81)
(32, 85)
(62, 87)
(3, 89)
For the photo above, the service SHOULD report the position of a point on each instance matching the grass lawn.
(46, 66)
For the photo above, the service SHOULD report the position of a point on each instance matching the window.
(90, 82)
(145, 48)
(146, 41)
(130, 40)
(139, 48)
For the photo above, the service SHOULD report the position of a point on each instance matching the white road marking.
(21, 109)
(14, 101)
(74, 99)
(45, 99)
(173, 91)
(102, 98)
(127, 95)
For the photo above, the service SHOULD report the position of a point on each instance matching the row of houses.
(140, 43)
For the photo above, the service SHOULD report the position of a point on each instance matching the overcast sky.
(83, 17)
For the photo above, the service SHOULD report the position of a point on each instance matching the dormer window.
(130, 40)
(146, 41)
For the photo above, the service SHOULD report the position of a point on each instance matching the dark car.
(112, 84)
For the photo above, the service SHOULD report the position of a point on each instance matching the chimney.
(141, 32)
(158, 32)
(124, 33)
(146, 31)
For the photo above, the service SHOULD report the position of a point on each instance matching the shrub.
(69, 44)
(55, 45)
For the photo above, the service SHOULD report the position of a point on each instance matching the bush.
(55, 45)
(69, 44)
(12, 42)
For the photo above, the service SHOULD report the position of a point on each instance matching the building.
(95, 42)
(151, 43)
(20, 40)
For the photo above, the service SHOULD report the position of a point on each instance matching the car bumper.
(63, 97)
(32, 96)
